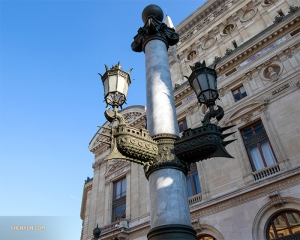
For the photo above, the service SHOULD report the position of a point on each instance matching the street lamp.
(204, 82)
(116, 83)
(165, 156)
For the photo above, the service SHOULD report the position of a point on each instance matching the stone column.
(169, 209)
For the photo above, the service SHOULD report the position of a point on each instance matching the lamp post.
(165, 156)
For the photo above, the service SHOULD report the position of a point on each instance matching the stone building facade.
(256, 194)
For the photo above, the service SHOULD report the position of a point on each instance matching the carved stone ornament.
(248, 15)
(228, 29)
(154, 29)
(271, 72)
(208, 43)
(276, 199)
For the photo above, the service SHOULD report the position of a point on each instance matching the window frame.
(184, 123)
(119, 201)
(271, 224)
(257, 143)
(190, 174)
(239, 92)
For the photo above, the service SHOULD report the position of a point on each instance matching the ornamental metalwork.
(154, 28)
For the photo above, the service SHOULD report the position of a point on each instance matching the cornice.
(258, 42)
(204, 11)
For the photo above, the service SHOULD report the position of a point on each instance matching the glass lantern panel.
(125, 88)
(120, 84)
(206, 95)
(196, 86)
(112, 83)
(212, 82)
(203, 81)
(105, 83)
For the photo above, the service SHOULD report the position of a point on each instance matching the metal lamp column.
(169, 209)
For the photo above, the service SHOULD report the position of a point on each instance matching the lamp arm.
(217, 113)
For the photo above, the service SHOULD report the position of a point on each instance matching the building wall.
(236, 201)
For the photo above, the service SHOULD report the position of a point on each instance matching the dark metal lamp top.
(152, 10)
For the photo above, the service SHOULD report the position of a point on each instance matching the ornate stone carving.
(276, 199)
(288, 53)
(247, 118)
(248, 77)
(272, 71)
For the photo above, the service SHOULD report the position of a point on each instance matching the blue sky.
(51, 97)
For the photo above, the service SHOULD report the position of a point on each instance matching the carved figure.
(273, 74)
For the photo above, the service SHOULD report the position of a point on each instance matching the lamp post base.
(171, 232)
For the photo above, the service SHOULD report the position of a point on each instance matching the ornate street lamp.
(161, 151)
(204, 82)
(116, 83)
(206, 141)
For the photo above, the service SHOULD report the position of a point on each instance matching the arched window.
(206, 237)
(284, 224)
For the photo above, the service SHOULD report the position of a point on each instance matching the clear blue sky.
(52, 97)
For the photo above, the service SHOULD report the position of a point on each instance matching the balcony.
(266, 172)
(195, 199)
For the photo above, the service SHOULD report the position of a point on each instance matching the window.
(258, 147)
(239, 93)
(284, 224)
(182, 125)
(206, 237)
(192, 181)
(119, 200)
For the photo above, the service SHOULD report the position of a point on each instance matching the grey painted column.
(169, 209)
(161, 114)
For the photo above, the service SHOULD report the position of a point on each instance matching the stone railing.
(110, 227)
(195, 199)
(266, 172)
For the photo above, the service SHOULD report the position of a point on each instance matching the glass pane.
(203, 81)
(118, 211)
(112, 83)
(196, 87)
(106, 86)
(123, 210)
(211, 81)
(237, 96)
(123, 187)
(248, 133)
(189, 186)
(296, 229)
(196, 183)
(118, 190)
(258, 128)
(280, 223)
(267, 152)
(293, 218)
(256, 158)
